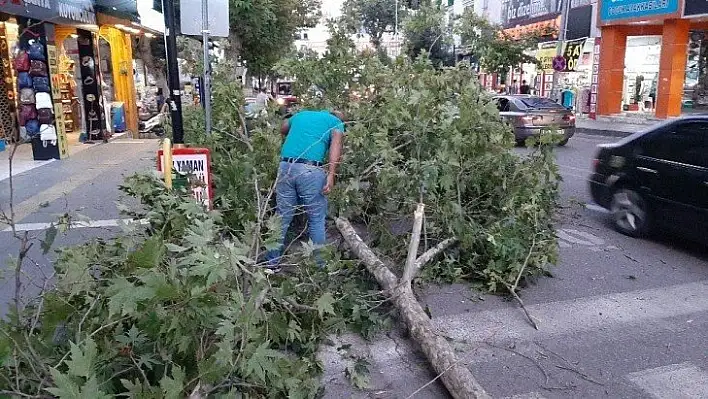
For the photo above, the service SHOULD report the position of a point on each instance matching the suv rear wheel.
(630, 213)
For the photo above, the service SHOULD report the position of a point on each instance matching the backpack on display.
(45, 116)
(47, 133)
(23, 133)
(43, 100)
(27, 96)
(38, 68)
(24, 80)
(22, 61)
(36, 51)
(32, 127)
(41, 84)
(27, 112)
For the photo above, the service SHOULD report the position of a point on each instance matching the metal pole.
(167, 162)
(173, 72)
(555, 94)
(207, 66)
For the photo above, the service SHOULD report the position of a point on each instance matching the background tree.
(262, 31)
(427, 30)
(495, 50)
(152, 52)
(374, 17)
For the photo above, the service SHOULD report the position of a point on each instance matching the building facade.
(653, 57)
(68, 71)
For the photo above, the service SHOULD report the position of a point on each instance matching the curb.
(603, 132)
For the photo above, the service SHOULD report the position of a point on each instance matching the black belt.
(300, 160)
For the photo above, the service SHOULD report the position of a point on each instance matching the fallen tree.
(457, 378)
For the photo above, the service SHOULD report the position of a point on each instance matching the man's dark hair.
(523, 81)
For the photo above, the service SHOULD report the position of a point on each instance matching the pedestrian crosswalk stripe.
(675, 381)
(77, 224)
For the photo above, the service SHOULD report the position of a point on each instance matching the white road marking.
(579, 237)
(530, 395)
(19, 167)
(77, 224)
(596, 208)
(128, 142)
(676, 381)
(575, 168)
(599, 313)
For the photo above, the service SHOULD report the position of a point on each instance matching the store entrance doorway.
(641, 74)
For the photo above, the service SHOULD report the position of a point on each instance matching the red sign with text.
(195, 164)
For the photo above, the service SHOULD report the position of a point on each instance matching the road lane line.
(677, 381)
(77, 224)
(574, 168)
(598, 313)
(596, 208)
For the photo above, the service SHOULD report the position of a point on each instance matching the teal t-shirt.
(310, 134)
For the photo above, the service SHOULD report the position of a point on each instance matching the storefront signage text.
(615, 10)
(56, 11)
(572, 51)
(521, 12)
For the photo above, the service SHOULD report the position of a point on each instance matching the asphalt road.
(84, 186)
(620, 318)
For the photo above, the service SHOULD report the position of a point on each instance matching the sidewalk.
(615, 126)
(24, 162)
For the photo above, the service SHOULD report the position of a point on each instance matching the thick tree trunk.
(457, 378)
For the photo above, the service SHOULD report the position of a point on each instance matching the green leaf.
(125, 296)
(172, 386)
(324, 304)
(82, 358)
(76, 277)
(149, 254)
(49, 236)
(262, 362)
(64, 387)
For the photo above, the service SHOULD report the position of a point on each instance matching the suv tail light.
(568, 118)
(595, 163)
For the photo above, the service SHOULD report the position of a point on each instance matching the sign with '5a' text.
(617, 10)
(194, 166)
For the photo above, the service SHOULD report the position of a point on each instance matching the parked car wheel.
(630, 213)
(563, 142)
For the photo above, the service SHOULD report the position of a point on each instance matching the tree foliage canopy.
(374, 17)
(494, 50)
(426, 31)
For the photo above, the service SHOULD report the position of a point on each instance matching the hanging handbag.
(27, 112)
(22, 61)
(43, 100)
(36, 51)
(32, 127)
(48, 134)
(24, 80)
(45, 116)
(27, 96)
(41, 84)
(38, 68)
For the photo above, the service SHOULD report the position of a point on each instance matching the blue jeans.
(300, 184)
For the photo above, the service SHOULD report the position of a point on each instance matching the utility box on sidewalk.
(193, 170)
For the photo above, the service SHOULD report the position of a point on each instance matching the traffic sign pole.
(207, 67)
(175, 97)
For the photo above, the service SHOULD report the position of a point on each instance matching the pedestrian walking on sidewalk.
(308, 166)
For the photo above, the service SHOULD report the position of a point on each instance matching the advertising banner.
(617, 10)
(523, 12)
(695, 7)
(572, 51)
(68, 12)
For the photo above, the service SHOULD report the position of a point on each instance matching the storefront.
(529, 17)
(34, 109)
(652, 57)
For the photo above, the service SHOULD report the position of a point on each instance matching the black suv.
(657, 178)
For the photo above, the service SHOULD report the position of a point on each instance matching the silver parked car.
(533, 115)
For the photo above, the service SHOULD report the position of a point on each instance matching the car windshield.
(540, 102)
